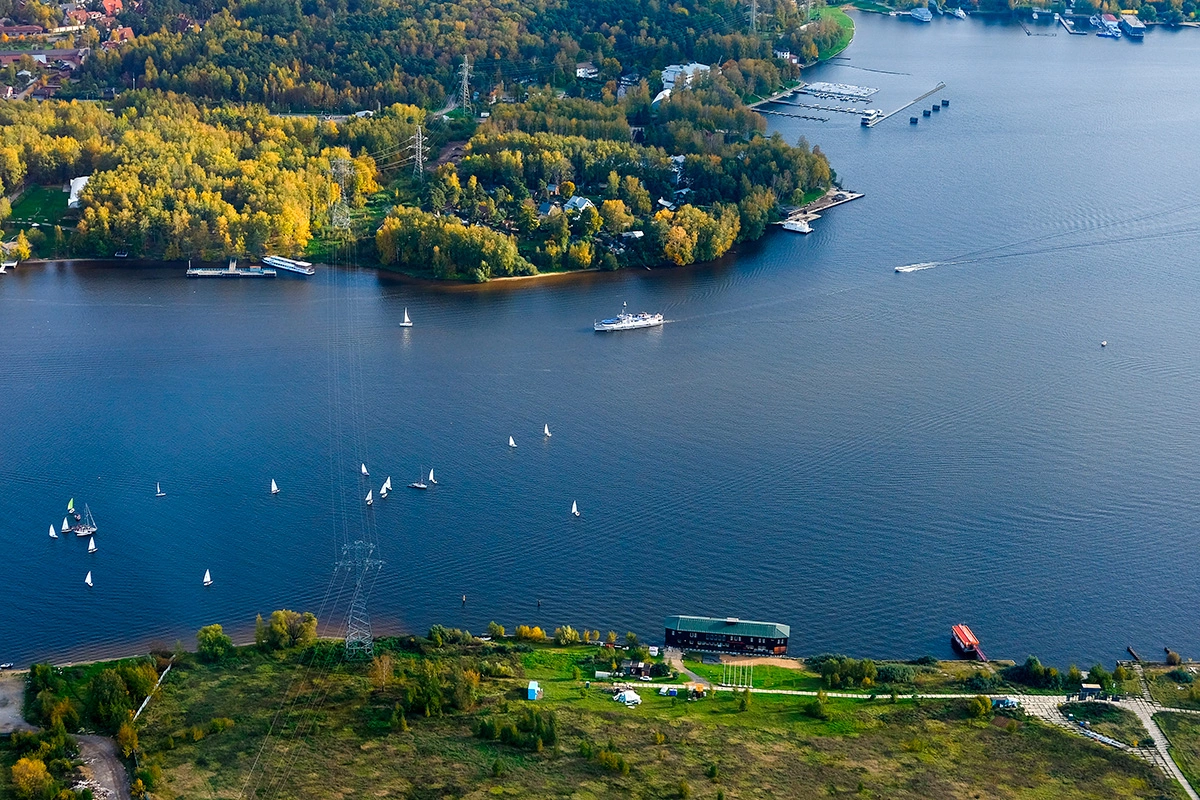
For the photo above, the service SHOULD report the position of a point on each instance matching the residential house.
(112, 7)
(577, 204)
(586, 70)
(678, 76)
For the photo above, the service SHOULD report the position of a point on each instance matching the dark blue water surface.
(812, 439)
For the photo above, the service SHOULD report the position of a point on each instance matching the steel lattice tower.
(357, 557)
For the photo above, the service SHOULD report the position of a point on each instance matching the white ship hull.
(629, 322)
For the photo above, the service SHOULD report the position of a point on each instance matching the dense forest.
(336, 55)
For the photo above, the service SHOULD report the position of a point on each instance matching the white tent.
(77, 185)
(629, 697)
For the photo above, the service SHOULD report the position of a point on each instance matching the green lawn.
(1183, 737)
(1172, 692)
(1109, 720)
(847, 29)
(45, 205)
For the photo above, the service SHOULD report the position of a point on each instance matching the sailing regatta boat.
(88, 526)
(158, 492)
(53, 535)
(65, 526)
(511, 443)
(431, 480)
(274, 487)
(71, 509)
(207, 578)
(546, 431)
(575, 509)
(418, 484)
(88, 579)
(370, 501)
(383, 490)
(364, 471)
(92, 545)
(407, 322)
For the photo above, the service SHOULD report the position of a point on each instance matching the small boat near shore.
(796, 226)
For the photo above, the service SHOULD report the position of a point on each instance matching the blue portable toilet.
(535, 691)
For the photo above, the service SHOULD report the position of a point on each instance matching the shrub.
(496, 631)
(926, 661)
(896, 673)
(1032, 673)
(1178, 676)
(1173, 658)
(566, 635)
(212, 644)
(979, 707)
(528, 634)
(659, 670)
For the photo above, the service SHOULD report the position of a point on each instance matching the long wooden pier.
(941, 85)
(793, 116)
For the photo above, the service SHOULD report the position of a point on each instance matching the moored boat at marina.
(965, 642)
(922, 14)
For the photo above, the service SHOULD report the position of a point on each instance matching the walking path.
(108, 779)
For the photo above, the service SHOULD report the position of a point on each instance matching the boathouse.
(728, 635)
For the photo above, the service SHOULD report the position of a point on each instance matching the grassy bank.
(336, 732)
(1183, 736)
(1108, 720)
(845, 25)
(1173, 686)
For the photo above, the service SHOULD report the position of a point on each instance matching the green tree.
(127, 738)
(615, 216)
(589, 222)
(495, 630)
(566, 190)
(23, 250)
(107, 699)
(289, 629)
(566, 635)
(212, 644)
(260, 633)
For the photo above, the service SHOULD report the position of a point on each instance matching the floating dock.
(880, 119)
(808, 212)
(289, 265)
(837, 91)
(793, 116)
(232, 271)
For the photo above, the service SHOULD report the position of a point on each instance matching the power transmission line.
(465, 89)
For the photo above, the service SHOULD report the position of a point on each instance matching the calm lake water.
(813, 438)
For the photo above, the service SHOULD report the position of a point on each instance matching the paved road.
(109, 781)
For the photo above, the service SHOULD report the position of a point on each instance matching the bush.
(1180, 676)
(212, 644)
(979, 707)
(495, 630)
(659, 670)
(926, 661)
(1032, 673)
(1173, 658)
(566, 635)
(896, 673)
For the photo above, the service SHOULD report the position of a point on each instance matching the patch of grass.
(1171, 692)
(329, 737)
(1183, 739)
(1109, 720)
(870, 5)
(45, 205)
(846, 25)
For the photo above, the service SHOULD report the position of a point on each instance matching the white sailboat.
(65, 526)
(407, 322)
(370, 500)
(546, 431)
(511, 443)
(207, 578)
(88, 526)
(364, 470)
(575, 509)
(383, 490)
(158, 492)
(274, 487)
(92, 545)
(53, 535)
(88, 579)
(388, 483)
(431, 480)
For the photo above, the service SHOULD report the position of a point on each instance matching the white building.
(77, 185)
(677, 76)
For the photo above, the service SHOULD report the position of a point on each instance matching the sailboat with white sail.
(511, 443)
(575, 509)
(418, 484)
(432, 482)
(158, 492)
(66, 526)
(370, 499)
(387, 487)
(88, 579)
(207, 578)
(92, 545)
(88, 526)
(53, 535)
(363, 467)
(407, 322)
(546, 431)
(274, 487)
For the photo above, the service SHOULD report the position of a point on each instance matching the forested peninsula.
(548, 163)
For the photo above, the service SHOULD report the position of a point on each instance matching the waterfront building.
(728, 635)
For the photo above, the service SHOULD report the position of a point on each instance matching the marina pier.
(941, 85)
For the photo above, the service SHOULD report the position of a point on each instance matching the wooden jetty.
(941, 85)
(794, 116)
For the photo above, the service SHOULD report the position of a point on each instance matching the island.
(524, 144)
(577, 712)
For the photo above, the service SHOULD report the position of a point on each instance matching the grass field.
(45, 205)
(1108, 720)
(334, 735)
(1183, 736)
(1172, 692)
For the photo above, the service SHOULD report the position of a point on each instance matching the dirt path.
(108, 779)
(12, 694)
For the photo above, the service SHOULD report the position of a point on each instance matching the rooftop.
(729, 625)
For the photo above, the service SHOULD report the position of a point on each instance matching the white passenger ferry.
(627, 322)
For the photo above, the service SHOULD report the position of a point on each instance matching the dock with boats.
(880, 118)
(798, 219)
(232, 271)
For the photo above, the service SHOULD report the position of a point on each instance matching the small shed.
(535, 691)
(1090, 690)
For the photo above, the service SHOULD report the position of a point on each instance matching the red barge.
(964, 642)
